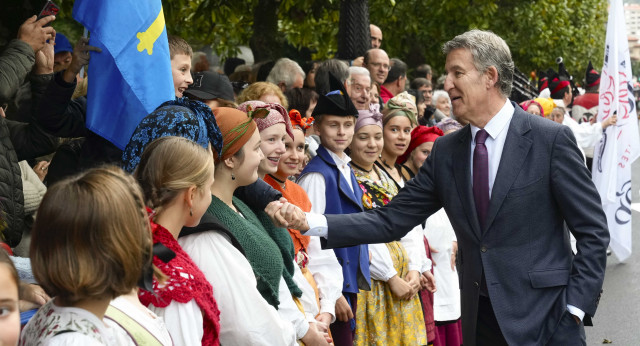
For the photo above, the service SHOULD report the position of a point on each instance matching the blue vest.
(340, 199)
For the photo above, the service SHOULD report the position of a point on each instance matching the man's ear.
(282, 86)
(492, 76)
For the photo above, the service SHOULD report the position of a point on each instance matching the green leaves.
(537, 31)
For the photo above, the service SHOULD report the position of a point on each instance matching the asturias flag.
(132, 75)
(620, 145)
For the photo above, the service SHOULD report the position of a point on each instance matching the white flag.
(620, 144)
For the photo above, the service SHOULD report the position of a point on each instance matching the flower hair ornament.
(298, 121)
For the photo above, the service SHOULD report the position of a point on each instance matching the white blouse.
(245, 317)
(446, 300)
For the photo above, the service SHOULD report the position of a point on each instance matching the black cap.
(336, 102)
(209, 85)
(592, 76)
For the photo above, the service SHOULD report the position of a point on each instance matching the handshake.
(286, 215)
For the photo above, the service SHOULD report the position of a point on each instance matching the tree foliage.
(537, 31)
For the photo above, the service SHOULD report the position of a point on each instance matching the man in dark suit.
(509, 182)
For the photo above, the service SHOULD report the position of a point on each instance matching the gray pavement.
(618, 315)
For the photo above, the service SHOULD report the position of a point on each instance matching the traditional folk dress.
(185, 300)
(382, 318)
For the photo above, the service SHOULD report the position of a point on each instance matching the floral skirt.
(382, 319)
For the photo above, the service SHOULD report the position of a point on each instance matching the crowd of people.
(186, 236)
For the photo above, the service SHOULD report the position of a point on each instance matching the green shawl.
(268, 249)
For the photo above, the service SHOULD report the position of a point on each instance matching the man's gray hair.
(285, 71)
(358, 70)
(487, 49)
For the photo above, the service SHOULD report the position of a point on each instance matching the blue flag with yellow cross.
(132, 75)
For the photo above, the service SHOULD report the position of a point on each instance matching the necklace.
(360, 168)
(384, 162)
(281, 182)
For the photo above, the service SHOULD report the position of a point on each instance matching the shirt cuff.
(329, 307)
(317, 225)
(575, 311)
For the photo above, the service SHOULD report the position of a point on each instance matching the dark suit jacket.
(524, 249)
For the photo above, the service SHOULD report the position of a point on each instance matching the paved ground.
(618, 315)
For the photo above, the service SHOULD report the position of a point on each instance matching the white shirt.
(497, 129)
(245, 317)
(323, 264)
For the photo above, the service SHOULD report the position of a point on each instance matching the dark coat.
(524, 249)
(61, 116)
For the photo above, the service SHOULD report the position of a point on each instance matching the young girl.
(9, 312)
(389, 314)
(275, 129)
(176, 175)
(235, 251)
(90, 243)
(442, 239)
(317, 265)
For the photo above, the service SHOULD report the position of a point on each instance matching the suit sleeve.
(410, 207)
(581, 209)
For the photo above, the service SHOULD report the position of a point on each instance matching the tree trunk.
(353, 35)
(265, 42)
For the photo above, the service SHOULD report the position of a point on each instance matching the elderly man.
(359, 87)
(376, 36)
(286, 74)
(510, 182)
(396, 80)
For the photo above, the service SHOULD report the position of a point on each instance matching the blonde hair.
(91, 239)
(169, 165)
(256, 90)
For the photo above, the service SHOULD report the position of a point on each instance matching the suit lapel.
(514, 153)
(462, 176)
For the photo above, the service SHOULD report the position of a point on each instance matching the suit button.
(476, 284)
(483, 249)
(347, 262)
(348, 285)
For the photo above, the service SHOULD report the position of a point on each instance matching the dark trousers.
(341, 332)
(488, 331)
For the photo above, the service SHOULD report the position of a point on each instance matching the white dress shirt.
(497, 129)
(323, 264)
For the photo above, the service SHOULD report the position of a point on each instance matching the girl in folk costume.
(176, 175)
(312, 260)
(398, 119)
(444, 245)
(389, 314)
(275, 129)
(90, 243)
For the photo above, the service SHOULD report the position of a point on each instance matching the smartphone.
(49, 9)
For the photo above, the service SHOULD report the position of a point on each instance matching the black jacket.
(61, 116)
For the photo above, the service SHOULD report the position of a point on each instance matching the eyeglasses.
(378, 64)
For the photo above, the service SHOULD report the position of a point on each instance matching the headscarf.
(547, 104)
(298, 121)
(277, 115)
(448, 124)
(236, 127)
(180, 117)
(404, 99)
(372, 116)
(420, 134)
(525, 105)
